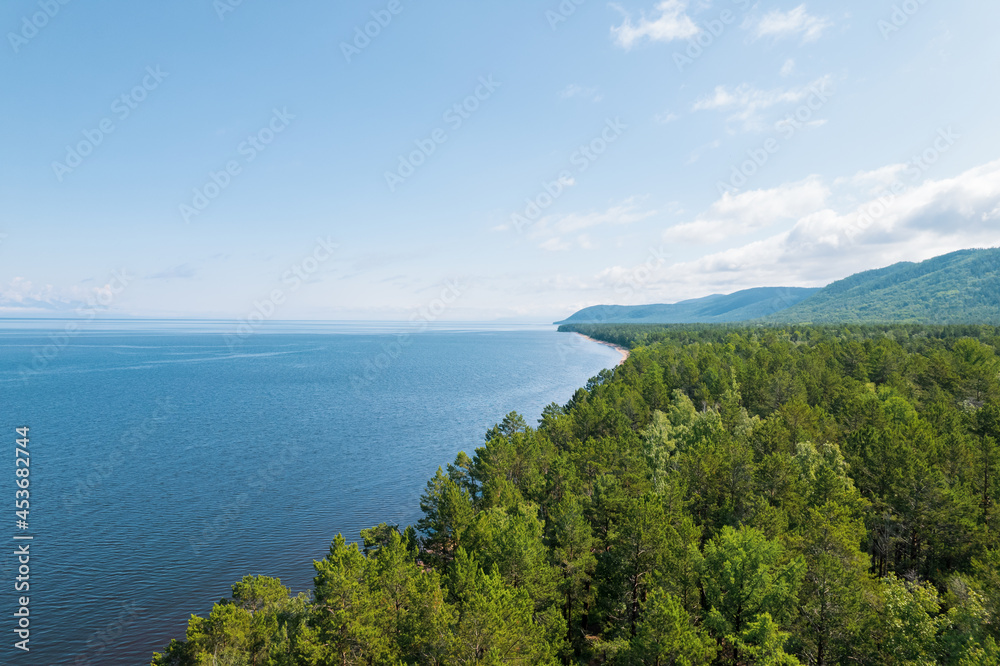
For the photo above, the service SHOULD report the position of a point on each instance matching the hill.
(958, 288)
(718, 308)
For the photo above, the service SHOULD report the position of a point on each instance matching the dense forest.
(813, 495)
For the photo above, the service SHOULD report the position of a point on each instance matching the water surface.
(169, 461)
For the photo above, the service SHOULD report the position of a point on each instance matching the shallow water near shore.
(167, 463)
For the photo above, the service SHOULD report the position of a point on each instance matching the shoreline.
(624, 352)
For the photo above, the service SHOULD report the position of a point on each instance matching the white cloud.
(701, 150)
(184, 271)
(870, 183)
(552, 228)
(747, 102)
(21, 295)
(626, 212)
(575, 90)
(739, 214)
(827, 243)
(788, 68)
(555, 244)
(778, 24)
(665, 118)
(670, 23)
(565, 181)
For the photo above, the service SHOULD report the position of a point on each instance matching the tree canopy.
(797, 495)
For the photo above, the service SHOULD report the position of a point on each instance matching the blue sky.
(510, 159)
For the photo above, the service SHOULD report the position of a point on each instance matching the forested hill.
(780, 496)
(718, 308)
(961, 287)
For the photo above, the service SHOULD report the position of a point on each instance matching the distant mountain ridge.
(960, 287)
(718, 308)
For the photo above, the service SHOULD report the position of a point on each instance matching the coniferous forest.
(764, 495)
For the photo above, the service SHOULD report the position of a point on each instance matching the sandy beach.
(624, 352)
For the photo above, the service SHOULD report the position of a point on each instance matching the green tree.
(901, 625)
(345, 627)
(448, 512)
(638, 547)
(986, 570)
(965, 633)
(409, 602)
(572, 551)
(762, 643)
(512, 544)
(831, 597)
(258, 625)
(494, 621)
(666, 635)
(660, 448)
(986, 459)
(745, 575)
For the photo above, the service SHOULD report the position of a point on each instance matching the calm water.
(165, 465)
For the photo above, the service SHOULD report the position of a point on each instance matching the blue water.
(168, 462)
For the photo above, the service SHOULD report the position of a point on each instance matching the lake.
(168, 460)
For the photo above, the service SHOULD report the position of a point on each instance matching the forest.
(728, 495)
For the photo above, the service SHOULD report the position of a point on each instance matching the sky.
(488, 160)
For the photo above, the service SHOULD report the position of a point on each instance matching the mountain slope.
(958, 288)
(961, 287)
(718, 308)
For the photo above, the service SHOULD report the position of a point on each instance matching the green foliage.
(638, 548)
(833, 590)
(818, 495)
(448, 513)
(494, 620)
(746, 576)
(667, 635)
(255, 626)
(966, 635)
(960, 287)
(762, 642)
(572, 542)
(740, 306)
(902, 625)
